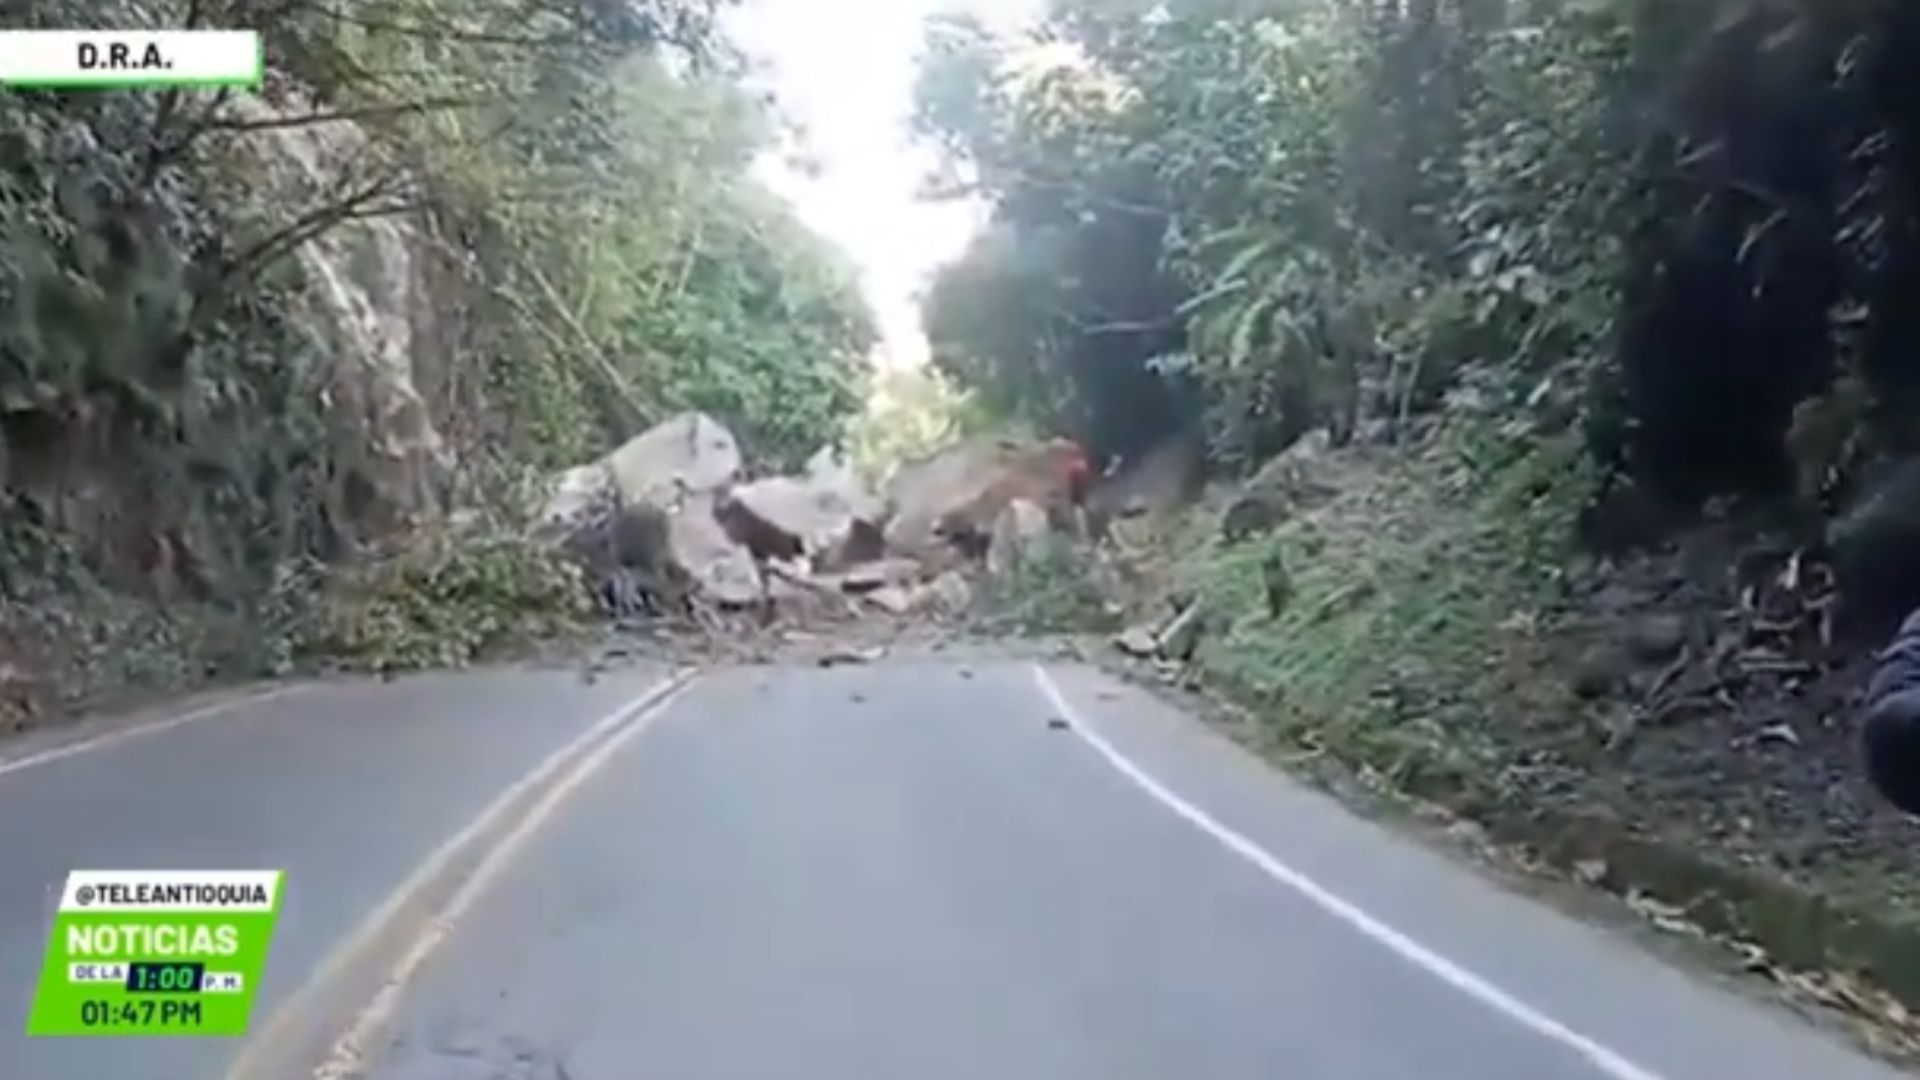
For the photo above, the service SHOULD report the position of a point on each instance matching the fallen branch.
(1703, 703)
(1667, 677)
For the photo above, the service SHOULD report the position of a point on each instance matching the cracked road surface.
(908, 870)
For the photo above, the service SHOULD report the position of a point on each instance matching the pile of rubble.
(672, 523)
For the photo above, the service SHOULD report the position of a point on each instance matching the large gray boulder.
(825, 516)
(721, 569)
(690, 454)
(791, 517)
(672, 478)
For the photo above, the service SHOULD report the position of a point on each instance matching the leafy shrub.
(1406, 583)
(1348, 209)
(445, 604)
(582, 226)
(1052, 590)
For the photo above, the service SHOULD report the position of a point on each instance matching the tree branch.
(1125, 206)
(163, 115)
(306, 227)
(165, 153)
(608, 370)
(368, 113)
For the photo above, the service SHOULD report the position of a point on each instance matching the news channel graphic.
(151, 952)
(130, 59)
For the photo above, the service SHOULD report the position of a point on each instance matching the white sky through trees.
(844, 71)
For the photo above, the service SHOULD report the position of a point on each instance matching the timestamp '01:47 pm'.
(138, 1012)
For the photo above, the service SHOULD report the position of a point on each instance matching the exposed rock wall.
(371, 297)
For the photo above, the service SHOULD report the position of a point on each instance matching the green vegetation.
(1268, 218)
(1622, 272)
(1410, 635)
(1662, 225)
(445, 603)
(1660, 251)
(1050, 589)
(450, 247)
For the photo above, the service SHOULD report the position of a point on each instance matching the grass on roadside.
(1414, 593)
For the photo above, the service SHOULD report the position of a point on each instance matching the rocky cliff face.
(370, 297)
(170, 434)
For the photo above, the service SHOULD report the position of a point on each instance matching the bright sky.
(844, 69)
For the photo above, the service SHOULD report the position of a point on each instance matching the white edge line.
(1608, 1061)
(140, 731)
(248, 1062)
(348, 1058)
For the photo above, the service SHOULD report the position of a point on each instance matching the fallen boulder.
(922, 491)
(787, 517)
(828, 471)
(575, 498)
(722, 569)
(949, 594)
(825, 516)
(864, 542)
(864, 539)
(1018, 534)
(954, 497)
(649, 508)
(892, 599)
(873, 576)
(691, 453)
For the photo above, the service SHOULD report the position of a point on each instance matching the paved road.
(897, 872)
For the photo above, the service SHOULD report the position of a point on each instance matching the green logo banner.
(156, 952)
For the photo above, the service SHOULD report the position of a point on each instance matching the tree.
(575, 169)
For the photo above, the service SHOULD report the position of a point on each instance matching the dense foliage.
(1673, 223)
(585, 253)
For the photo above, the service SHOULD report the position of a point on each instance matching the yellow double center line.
(338, 1014)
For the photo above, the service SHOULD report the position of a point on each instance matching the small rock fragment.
(1597, 674)
(844, 657)
(1657, 639)
(950, 593)
(892, 599)
(1140, 642)
(1250, 515)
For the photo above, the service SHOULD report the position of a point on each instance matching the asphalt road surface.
(902, 871)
